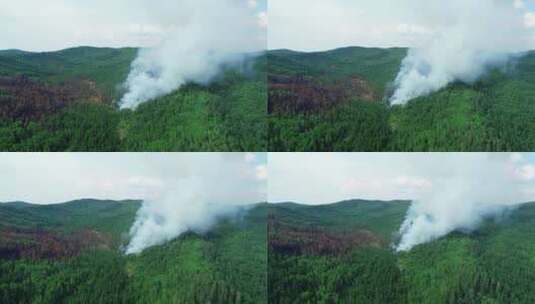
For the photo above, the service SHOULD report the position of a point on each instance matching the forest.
(337, 101)
(67, 101)
(72, 253)
(277, 253)
(342, 253)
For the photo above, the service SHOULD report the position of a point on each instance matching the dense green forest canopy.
(342, 253)
(72, 253)
(337, 101)
(67, 101)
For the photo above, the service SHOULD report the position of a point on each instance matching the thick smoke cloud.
(180, 191)
(187, 206)
(195, 198)
(449, 191)
(467, 188)
(208, 35)
(469, 38)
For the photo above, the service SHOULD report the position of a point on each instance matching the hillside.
(346, 256)
(67, 101)
(336, 101)
(104, 67)
(71, 253)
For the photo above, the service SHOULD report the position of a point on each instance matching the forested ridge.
(67, 101)
(310, 260)
(72, 253)
(337, 253)
(326, 101)
(337, 101)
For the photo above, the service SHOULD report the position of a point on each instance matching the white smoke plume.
(468, 38)
(202, 36)
(449, 191)
(466, 189)
(193, 195)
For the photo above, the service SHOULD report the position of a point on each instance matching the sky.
(44, 178)
(309, 178)
(32, 25)
(322, 178)
(307, 25)
(316, 25)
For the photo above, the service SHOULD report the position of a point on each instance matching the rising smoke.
(468, 38)
(202, 36)
(450, 191)
(467, 188)
(183, 208)
(193, 197)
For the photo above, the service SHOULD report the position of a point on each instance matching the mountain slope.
(67, 101)
(378, 66)
(494, 264)
(105, 67)
(71, 253)
(336, 101)
(111, 217)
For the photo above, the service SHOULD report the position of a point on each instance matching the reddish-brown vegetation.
(299, 94)
(41, 244)
(292, 240)
(23, 99)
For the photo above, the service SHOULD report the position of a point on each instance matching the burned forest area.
(339, 101)
(74, 251)
(345, 253)
(69, 101)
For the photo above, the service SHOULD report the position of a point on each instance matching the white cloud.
(526, 172)
(263, 19)
(519, 4)
(250, 157)
(413, 182)
(405, 28)
(517, 157)
(529, 20)
(252, 3)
